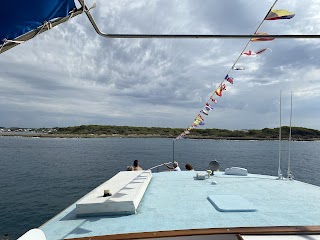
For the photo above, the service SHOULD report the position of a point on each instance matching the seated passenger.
(129, 168)
(136, 166)
(189, 167)
(175, 166)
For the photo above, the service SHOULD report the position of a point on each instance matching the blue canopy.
(21, 16)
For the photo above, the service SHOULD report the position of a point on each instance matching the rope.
(85, 10)
(258, 28)
(260, 25)
(4, 42)
(14, 41)
(71, 14)
(46, 24)
(159, 165)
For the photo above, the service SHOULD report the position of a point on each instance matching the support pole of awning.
(187, 36)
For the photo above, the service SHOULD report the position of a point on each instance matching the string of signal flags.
(218, 92)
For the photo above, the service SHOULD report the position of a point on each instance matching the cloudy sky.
(71, 76)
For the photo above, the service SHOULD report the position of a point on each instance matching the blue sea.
(42, 176)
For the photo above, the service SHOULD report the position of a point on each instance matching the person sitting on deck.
(175, 166)
(129, 168)
(136, 166)
(189, 167)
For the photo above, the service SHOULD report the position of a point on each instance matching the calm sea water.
(39, 177)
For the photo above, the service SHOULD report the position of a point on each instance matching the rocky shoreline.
(46, 135)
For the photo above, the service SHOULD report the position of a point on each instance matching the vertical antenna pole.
(173, 150)
(289, 161)
(279, 168)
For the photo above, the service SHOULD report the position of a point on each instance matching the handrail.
(186, 36)
(159, 165)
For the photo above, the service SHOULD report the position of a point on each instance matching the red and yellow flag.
(260, 39)
(279, 14)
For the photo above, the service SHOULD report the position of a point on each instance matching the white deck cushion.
(127, 189)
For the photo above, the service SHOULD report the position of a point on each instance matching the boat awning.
(19, 16)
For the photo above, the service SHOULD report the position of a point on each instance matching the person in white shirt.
(175, 166)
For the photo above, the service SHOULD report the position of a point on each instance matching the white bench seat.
(127, 189)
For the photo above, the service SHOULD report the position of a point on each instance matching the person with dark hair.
(175, 166)
(136, 166)
(189, 167)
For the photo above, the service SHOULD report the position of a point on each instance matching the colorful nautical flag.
(259, 39)
(206, 108)
(229, 79)
(200, 117)
(197, 121)
(213, 100)
(219, 90)
(262, 50)
(251, 53)
(238, 68)
(209, 106)
(279, 14)
(224, 87)
(204, 112)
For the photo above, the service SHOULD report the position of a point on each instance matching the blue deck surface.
(176, 201)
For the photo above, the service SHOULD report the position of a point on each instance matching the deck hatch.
(231, 203)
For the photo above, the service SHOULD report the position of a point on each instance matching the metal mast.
(290, 176)
(279, 166)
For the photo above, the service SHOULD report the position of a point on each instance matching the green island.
(100, 131)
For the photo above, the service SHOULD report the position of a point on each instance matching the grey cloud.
(71, 76)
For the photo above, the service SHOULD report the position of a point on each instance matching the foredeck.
(176, 201)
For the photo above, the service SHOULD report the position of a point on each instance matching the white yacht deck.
(177, 201)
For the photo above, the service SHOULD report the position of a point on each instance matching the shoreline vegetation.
(102, 131)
